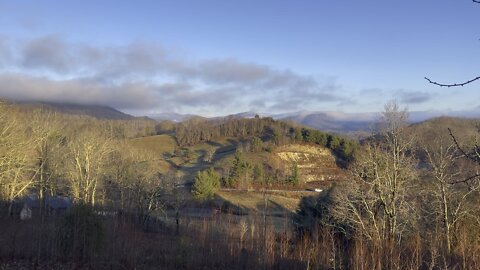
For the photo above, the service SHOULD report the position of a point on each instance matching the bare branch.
(466, 179)
(454, 84)
(465, 154)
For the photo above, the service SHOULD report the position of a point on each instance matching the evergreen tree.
(258, 174)
(294, 179)
(206, 184)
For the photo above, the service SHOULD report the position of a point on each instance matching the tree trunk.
(445, 218)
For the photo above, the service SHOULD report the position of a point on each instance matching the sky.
(222, 57)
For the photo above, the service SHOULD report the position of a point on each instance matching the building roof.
(56, 202)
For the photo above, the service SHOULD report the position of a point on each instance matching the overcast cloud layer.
(149, 78)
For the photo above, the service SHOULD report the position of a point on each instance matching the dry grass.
(223, 242)
(159, 144)
(254, 201)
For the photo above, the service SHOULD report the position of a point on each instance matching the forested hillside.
(261, 187)
(261, 131)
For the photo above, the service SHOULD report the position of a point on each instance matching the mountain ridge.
(96, 111)
(341, 122)
(331, 121)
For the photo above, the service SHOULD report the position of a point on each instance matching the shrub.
(81, 233)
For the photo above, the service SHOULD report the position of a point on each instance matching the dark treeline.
(192, 132)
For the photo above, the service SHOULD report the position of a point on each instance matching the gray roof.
(56, 202)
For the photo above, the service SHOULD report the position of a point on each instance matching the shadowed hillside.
(96, 111)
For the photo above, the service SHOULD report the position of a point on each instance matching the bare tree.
(450, 196)
(384, 171)
(16, 172)
(178, 201)
(446, 195)
(442, 172)
(139, 187)
(470, 180)
(87, 160)
(47, 128)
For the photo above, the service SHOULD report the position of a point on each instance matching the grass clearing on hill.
(254, 201)
(158, 144)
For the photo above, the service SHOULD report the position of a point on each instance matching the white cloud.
(147, 76)
(413, 97)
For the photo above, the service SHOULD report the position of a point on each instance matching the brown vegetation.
(409, 199)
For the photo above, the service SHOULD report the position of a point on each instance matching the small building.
(25, 213)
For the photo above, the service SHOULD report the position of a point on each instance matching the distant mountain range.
(327, 121)
(174, 117)
(96, 111)
(333, 121)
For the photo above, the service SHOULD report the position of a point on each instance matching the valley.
(249, 185)
(212, 135)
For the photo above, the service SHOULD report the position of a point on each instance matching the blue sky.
(221, 57)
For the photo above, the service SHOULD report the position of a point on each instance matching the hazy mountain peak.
(96, 111)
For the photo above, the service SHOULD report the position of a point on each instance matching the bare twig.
(474, 158)
(466, 180)
(453, 84)
(457, 144)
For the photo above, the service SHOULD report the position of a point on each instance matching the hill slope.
(315, 163)
(433, 129)
(96, 111)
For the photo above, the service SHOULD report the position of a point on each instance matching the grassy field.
(187, 161)
(159, 144)
(277, 204)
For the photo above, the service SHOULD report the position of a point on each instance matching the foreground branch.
(454, 84)
(474, 158)
(466, 180)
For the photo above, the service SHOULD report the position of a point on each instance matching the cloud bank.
(149, 77)
(413, 97)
